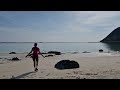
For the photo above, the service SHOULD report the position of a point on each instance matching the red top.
(35, 51)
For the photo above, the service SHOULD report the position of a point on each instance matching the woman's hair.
(35, 44)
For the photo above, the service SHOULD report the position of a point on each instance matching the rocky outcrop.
(66, 64)
(114, 36)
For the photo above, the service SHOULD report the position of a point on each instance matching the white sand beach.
(92, 66)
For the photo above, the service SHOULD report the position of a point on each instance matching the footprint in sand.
(72, 76)
(41, 77)
(1, 63)
(48, 74)
(89, 73)
(68, 73)
(42, 71)
(77, 72)
(78, 77)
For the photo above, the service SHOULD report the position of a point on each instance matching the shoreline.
(6, 57)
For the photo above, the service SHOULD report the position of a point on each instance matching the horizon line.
(49, 42)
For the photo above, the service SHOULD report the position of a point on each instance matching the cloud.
(57, 25)
(96, 20)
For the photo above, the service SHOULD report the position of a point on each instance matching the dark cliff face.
(114, 36)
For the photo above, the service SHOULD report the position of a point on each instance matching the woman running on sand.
(34, 54)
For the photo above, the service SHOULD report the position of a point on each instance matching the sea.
(64, 47)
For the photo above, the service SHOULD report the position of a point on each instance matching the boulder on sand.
(66, 64)
(100, 50)
(86, 52)
(54, 52)
(12, 53)
(15, 59)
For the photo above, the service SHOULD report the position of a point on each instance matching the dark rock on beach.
(49, 56)
(54, 52)
(12, 53)
(15, 59)
(44, 53)
(66, 64)
(85, 52)
(100, 50)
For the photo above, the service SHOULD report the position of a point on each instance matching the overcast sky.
(57, 26)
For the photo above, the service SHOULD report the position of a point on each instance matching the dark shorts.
(35, 58)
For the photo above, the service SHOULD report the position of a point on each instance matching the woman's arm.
(29, 53)
(40, 53)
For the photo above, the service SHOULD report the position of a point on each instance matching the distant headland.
(114, 36)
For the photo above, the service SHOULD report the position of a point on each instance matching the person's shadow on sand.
(22, 75)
